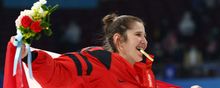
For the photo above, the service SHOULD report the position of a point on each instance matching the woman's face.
(135, 39)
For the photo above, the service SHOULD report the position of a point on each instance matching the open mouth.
(138, 51)
(141, 50)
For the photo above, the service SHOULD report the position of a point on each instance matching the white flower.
(43, 1)
(40, 11)
(27, 12)
(36, 6)
(18, 22)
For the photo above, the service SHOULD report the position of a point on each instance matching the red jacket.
(90, 68)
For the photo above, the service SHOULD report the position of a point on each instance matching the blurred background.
(182, 34)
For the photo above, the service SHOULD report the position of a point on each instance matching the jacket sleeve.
(57, 72)
(49, 72)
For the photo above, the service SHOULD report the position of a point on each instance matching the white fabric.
(32, 83)
(53, 54)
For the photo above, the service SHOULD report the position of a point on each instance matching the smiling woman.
(118, 64)
(124, 34)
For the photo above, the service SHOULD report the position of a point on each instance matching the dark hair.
(116, 24)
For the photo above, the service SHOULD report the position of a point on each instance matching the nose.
(144, 42)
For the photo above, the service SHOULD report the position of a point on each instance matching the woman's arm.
(48, 71)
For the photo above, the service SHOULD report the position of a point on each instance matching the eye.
(138, 34)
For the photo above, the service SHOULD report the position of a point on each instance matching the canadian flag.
(10, 81)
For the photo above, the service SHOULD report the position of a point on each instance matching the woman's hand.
(23, 50)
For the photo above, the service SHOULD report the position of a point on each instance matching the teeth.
(139, 48)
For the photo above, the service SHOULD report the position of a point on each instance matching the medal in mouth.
(144, 53)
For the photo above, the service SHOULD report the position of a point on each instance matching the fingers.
(24, 50)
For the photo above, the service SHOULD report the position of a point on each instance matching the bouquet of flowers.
(35, 22)
(30, 25)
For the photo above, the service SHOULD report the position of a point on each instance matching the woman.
(118, 64)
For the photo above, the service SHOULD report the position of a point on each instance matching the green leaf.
(29, 40)
(49, 7)
(45, 24)
(37, 37)
(53, 8)
(47, 32)
(44, 7)
(21, 28)
(44, 19)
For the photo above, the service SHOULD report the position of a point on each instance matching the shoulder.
(85, 59)
(82, 64)
(103, 56)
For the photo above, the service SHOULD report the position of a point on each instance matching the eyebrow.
(141, 32)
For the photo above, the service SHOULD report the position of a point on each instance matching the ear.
(116, 40)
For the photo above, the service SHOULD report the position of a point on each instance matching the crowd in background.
(182, 34)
